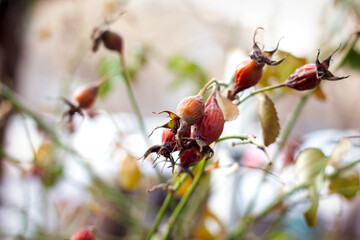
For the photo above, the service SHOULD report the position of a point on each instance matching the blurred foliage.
(186, 70)
(109, 67)
(353, 59)
(345, 184)
(46, 165)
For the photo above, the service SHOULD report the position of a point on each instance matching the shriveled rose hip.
(309, 76)
(211, 125)
(190, 157)
(168, 138)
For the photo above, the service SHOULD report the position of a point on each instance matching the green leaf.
(309, 163)
(110, 68)
(345, 184)
(268, 119)
(186, 70)
(353, 59)
(343, 147)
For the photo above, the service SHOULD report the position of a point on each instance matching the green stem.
(233, 137)
(342, 169)
(261, 90)
(132, 98)
(175, 214)
(164, 206)
(136, 107)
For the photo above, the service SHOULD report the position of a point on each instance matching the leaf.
(343, 147)
(319, 94)
(110, 68)
(268, 119)
(309, 163)
(228, 108)
(311, 214)
(345, 184)
(281, 72)
(352, 59)
(185, 69)
(129, 175)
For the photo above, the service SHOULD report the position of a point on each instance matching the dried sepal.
(263, 57)
(160, 150)
(173, 124)
(228, 108)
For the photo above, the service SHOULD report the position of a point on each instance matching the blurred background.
(172, 48)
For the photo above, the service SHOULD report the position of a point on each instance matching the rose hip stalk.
(309, 76)
(249, 72)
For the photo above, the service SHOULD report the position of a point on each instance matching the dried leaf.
(343, 147)
(129, 175)
(345, 184)
(228, 108)
(309, 163)
(319, 94)
(268, 119)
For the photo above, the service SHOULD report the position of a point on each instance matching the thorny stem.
(175, 214)
(261, 90)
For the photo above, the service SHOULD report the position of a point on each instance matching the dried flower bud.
(211, 125)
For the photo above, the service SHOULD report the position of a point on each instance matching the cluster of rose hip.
(197, 124)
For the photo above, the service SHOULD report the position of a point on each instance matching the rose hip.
(249, 72)
(83, 234)
(309, 76)
(211, 125)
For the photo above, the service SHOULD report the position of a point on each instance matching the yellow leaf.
(129, 175)
(44, 154)
(309, 163)
(343, 146)
(268, 119)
